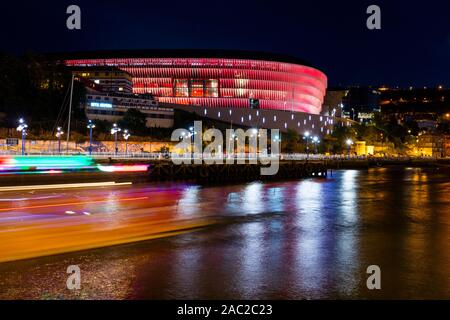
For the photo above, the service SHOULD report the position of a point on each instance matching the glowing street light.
(349, 143)
(192, 133)
(90, 126)
(126, 135)
(115, 129)
(306, 136)
(23, 128)
(59, 133)
(316, 141)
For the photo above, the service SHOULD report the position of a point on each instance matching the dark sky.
(412, 48)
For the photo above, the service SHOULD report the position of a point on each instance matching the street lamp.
(126, 135)
(306, 136)
(192, 133)
(90, 126)
(115, 129)
(315, 141)
(349, 143)
(23, 128)
(59, 133)
(276, 138)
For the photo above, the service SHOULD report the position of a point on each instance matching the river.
(303, 239)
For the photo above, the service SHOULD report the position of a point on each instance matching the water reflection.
(300, 239)
(253, 199)
(189, 202)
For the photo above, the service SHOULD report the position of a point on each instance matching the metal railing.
(166, 156)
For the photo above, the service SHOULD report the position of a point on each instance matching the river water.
(304, 239)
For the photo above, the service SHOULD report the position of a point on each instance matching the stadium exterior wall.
(222, 82)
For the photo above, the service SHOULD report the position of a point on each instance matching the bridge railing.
(247, 156)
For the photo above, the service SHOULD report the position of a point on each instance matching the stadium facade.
(224, 79)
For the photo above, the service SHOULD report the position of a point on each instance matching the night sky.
(411, 49)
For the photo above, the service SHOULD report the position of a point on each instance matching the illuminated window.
(181, 87)
(196, 88)
(212, 88)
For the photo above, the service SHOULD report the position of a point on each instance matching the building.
(334, 102)
(425, 106)
(112, 107)
(212, 78)
(360, 104)
(432, 145)
(105, 79)
(415, 100)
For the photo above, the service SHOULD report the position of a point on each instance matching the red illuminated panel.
(220, 82)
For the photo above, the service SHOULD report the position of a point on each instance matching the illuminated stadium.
(224, 79)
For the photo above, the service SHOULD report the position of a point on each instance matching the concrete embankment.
(165, 170)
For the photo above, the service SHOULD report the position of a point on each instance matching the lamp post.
(306, 136)
(126, 135)
(115, 129)
(59, 133)
(316, 142)
(349, 143)
(192, 133)
(23, 128)
(90, 126)
(277, 138)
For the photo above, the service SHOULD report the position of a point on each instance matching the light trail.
(123, 168)
(71, 204)
(64, 186)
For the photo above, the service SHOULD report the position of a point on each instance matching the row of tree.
(37, 89)
(380, 131)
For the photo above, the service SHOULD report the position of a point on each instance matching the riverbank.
(386, 162)
(165, 170)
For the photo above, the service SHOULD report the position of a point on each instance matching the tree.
(135, 121)
(290, 141)
(35, 87)
(339, 137)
